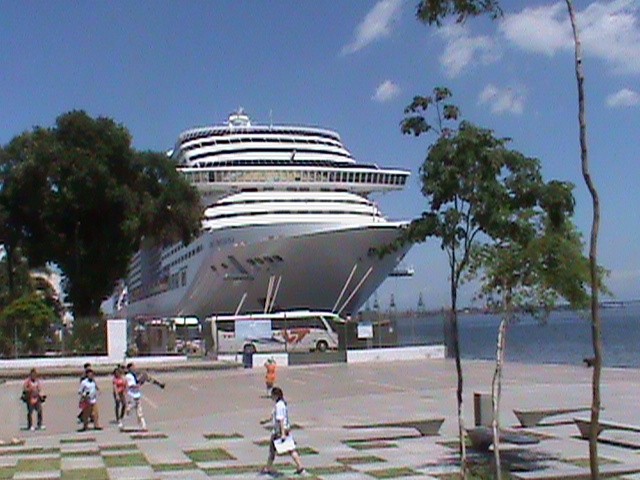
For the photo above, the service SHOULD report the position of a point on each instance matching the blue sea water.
(564, 338)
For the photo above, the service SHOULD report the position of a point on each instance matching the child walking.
(270, 377)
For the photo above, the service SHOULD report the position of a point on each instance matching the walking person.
(134, 396)
(89, 401)
(270, 377)
(85, 367)
(119, 394)
(281, 432)
(33, 397)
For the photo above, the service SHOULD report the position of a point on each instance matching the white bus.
(293, 331)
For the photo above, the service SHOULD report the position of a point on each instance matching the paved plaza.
(205, 424)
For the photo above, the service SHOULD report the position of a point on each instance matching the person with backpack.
(32, 396)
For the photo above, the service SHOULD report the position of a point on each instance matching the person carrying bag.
(281, 439)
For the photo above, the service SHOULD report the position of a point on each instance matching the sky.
(162, 67)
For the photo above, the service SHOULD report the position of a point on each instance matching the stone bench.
(426, 428)
(532, 418)
(482, 438)
(584, 424)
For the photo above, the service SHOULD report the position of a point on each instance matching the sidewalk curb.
(107, 369)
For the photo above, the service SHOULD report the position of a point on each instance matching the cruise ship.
(287, 224)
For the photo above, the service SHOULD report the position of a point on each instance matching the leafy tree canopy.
(80, 196)
(26, 320)
(435, 11)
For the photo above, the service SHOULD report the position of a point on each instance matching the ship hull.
(327, 267)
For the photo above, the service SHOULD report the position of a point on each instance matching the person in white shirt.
(281, 429)
(89, 400)
(135, 396)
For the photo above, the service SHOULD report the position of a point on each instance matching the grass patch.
(118, 447)
(330, 470)
(12, 443)
(368, 445)
(171, 467)
(211, 455)
(30, 451)
(307, 451)
(81, 453)
(360, 460)
(222, 436)
(148, 436)
(78, 440)
(6, 473)
(37, 464)
(85, 474)
(301, 450)
(233, 470)
(240, 469)
(393, 472)
(125, 460)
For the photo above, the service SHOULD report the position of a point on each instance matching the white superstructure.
(287, 224)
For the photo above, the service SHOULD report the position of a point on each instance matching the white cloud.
(609, 31)
(386, 91)
(376, 24)
(623, 98)
(503, 100)
(462, 49)
(543, 29)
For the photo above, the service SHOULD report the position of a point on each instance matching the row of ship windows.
(288, 151)
(184, 257)
(178, 279)
(282, 162)
(292, 212)
(274, 138)
(291, 200)
(286, 176)
(267, 259)
(268, 131)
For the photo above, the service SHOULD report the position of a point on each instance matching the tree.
(596, 324)
(434, 11)
(473, 184)
(81, 197)
(448, 218)
(24, 325)
(533, 259)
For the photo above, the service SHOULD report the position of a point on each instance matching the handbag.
(284, 445)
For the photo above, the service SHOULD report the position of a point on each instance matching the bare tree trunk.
(456, 351)
(593, 264)
(496, 388)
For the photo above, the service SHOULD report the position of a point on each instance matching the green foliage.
(89, 335)
(23, 283)
(80, 196)
(415, 122)
(534, 257)
(435, 11)
(27, 319)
